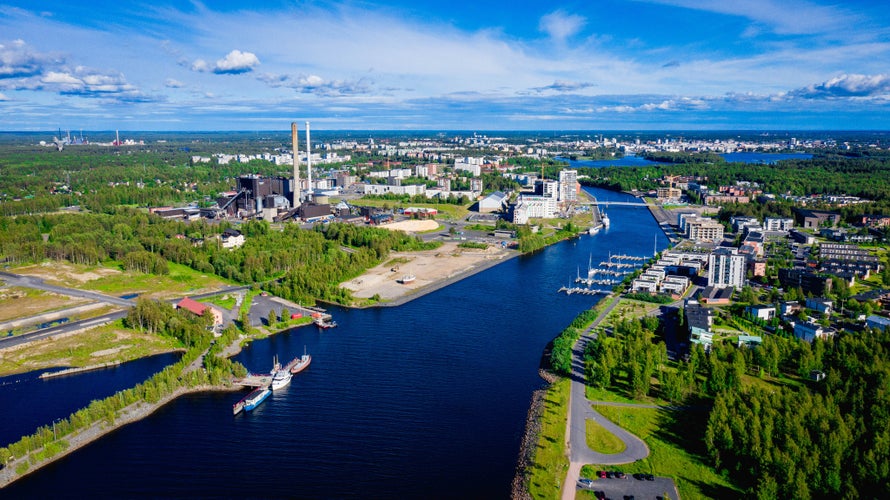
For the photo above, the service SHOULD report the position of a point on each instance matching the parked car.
(601, 474)
(650, 477)
(620, 475)
(586, 483)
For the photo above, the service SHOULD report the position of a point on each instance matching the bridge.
(617, 203)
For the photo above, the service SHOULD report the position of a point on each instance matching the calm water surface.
(426, 400)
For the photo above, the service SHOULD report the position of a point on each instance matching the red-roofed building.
(199, 309)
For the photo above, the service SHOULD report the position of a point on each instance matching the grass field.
(447, 211)
(110, 279)
(108, 343)
(550, 461)
(677, 449)
(602, 441)
(19, 302)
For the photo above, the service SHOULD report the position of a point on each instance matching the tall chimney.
(308, 162)
(294, 140)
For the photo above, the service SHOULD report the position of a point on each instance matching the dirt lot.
(430, 268)
(17, 302)
(412, 226)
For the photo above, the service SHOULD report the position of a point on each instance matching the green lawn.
(550, 461)
(446, 211)
(676, 449)
(181, 280)
(602, 441)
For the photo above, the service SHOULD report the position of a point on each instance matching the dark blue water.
(426, 400)
(768, 158)
(639, 161)
(625, 161)
(29, 402)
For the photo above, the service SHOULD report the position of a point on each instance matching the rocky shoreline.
(519, 486)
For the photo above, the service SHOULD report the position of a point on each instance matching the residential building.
(820, 305)
(726, 268)
(568, 186)
(764, 312)
(232, 238)
(778, 224)
(806, 280)
(810, 331)
(813, 219)
(704, 230)
(877, 322)
(699, 321)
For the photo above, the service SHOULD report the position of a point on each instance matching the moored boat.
(256, 397)
(301, 365)
(325, 323)
(280, 379)
(605, 219)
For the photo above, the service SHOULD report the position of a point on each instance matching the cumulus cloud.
(564, 86)
(173, 83)
(236, 62)
(17, 60)
(560, 25)
(3, 97)
(314, 84)
(846, 86)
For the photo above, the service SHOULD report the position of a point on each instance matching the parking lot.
(638, 489)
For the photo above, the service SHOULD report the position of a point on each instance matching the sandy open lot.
(432, 269)
(412, 226)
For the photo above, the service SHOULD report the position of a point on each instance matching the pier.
(582, 291)
(255, 380)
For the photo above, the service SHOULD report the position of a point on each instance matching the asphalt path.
(580, 410)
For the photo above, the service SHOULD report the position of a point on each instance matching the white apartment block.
(528, 207)
(469, 164)
(412, 190)
(726, 268)
(704, 230)
(778, 224)
(568, 186)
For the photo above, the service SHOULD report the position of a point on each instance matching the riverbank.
(431, 269)
(19, 467)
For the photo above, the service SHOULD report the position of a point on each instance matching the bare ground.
(430, 268)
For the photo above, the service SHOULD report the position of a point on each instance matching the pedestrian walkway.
(581, 410)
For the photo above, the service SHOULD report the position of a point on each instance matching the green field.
(676, 449)
(550, 461)
(446, 211)
(602, 441)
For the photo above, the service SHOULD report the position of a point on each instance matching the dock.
(582, 291)
(255, 380)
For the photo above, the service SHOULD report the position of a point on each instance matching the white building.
(726, 268)
(469, 164)
(778, 224)
(568, 186)
(528, 207)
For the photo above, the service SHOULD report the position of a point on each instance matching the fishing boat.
(324, 323)
(605, 219)
(301, 365)
(256, 397)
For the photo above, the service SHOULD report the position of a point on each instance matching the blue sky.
(458, 65)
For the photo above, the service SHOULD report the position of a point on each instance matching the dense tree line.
(633, 351)
(831, 439)
(866, 177)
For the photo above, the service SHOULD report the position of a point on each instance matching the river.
(425, 400)
(639, 161)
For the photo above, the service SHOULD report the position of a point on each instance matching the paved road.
(38, 283)
(580, 411)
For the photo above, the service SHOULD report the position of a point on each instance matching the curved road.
(580, 411)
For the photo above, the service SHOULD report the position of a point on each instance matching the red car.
(601, 474)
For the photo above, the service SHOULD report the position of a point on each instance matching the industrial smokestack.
(308, 162)
(294, 140)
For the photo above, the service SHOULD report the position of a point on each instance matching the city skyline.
(627, 65)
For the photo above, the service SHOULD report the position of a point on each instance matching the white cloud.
(314, 84)
(564, 86)
(559, 25)
(173, 83)
(847, 86)
(799, 17)
(200, 65)
(17, 60)
(236, 62)
(3, 97)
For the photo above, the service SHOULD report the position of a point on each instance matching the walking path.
(580, 410)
